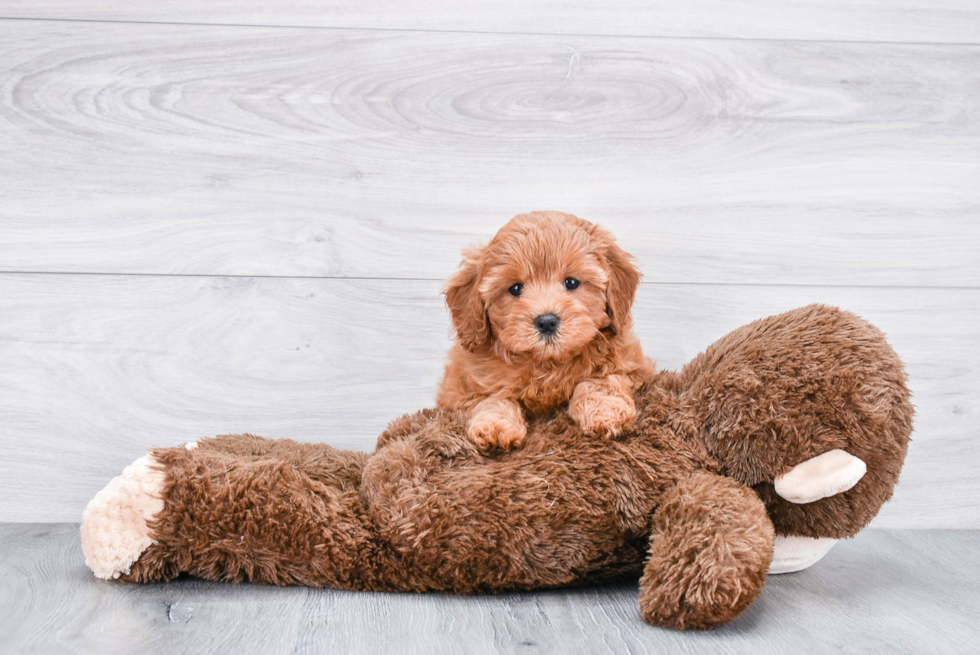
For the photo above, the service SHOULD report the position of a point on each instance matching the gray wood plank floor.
(885, 591)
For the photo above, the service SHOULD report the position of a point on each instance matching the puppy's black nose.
(547, 324)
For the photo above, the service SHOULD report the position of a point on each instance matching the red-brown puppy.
(542, 316)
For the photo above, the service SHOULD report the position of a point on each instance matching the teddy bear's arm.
(712, 544)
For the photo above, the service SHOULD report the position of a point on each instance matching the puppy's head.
(545, 286)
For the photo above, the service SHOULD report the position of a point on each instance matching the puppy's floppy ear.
(624, 278)
(465, 304)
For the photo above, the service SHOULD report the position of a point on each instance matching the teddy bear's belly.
(565, 507)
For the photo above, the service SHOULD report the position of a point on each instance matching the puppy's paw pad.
(114, 530)
(605, 415)
(828, 474)
(490, 433)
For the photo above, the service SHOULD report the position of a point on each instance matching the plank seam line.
(489, 33)
(439, 279)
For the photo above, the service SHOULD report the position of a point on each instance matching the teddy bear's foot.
(793, 553)
(114, 524)
(831, 473)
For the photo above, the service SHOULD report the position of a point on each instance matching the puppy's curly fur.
(542, 315)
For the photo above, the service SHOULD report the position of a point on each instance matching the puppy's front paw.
(114, 524)
(600, 413)
(497, 424)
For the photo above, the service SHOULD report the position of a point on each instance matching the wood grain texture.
(939, 21)
(885, 591)
(233, 151)
(98, 368)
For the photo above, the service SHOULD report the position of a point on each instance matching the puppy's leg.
(604, 406)
(497, 423)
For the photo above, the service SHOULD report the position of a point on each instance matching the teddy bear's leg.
(223, 516)
(710, 550)
(326, 464)
(114, 524)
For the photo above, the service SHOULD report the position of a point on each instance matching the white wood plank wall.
(222, 216)
(922, 21)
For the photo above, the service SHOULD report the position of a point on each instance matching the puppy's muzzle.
(547, 324)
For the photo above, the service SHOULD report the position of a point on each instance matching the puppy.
(542, 318)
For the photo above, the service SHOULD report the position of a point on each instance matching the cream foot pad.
(833, 472)
(792, 553)
(114, 531)
(825, 475)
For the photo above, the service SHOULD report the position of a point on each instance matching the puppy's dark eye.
(516, 290)
(571, 283)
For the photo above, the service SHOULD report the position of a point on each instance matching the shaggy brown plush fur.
(505, 366)
(672, 498)
(711, 547)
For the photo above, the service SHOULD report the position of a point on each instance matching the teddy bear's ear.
(466, 307)
(624, 278)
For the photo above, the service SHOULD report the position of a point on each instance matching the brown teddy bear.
(795, 425)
